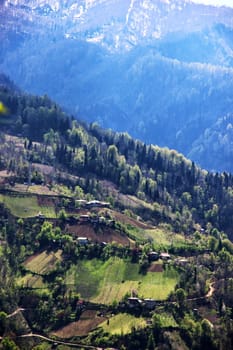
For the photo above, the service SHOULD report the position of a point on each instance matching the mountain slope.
(86, 217)
(132, 66)
(163, 181)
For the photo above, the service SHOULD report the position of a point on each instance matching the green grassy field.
(43, 262)
(166, 320)
(26, 206)
(163, 238)
(123, 324)
(136, 233)
(104, 282)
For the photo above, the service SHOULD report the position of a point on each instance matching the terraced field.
(32, 281)
(44, 262)
(37, 266)
(123, 324)
(105, 282)
(26, 206)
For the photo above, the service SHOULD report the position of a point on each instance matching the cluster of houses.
(90, 219)
(153, 256)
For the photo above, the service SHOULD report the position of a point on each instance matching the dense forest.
(157, 175)
(159, 98)
(124, 194)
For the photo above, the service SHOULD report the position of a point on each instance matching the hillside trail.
(20, 309)
(211, 290)
(74, 345)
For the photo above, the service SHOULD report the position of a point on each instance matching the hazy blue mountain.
(161, 70)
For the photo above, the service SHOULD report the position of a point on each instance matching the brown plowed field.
(127, 220)
(155, 268)
(105, 234)
(88, 321)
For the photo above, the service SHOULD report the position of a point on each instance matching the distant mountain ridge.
(161, 71)
(118, 24)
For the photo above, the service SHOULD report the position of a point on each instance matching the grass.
(105, 282)
(163, 238)
(158, 285)
(1, 250)
(122, 324)
(31, 281)
(167, 320)
(26, 206)
(136, 233)
(43, 262)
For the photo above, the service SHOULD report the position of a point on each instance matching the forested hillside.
(156, 175)
(106, 241)
(166, 81)
(157, 99)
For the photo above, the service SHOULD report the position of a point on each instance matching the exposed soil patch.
(88, 322)
(130, 221)
(46, 201)
(101, 234)
(155, 268)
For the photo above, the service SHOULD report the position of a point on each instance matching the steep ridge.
(134, 66)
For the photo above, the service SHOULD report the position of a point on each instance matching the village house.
(149, 303)
(134, 302)
(83, 240)
(165, 256)
(153, 256)
(97, 204)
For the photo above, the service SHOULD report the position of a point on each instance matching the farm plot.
(104, 282)
(106, 234)
(123, 323)
(31, 281)
(37, 266)
(44, 262)
(26, 206)
(165, 239)
(166, 320)
(87, 322)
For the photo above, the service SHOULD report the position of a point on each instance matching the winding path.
(211, 290)
(75, 345)
(15, 312)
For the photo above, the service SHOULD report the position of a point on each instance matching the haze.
(215, 2)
